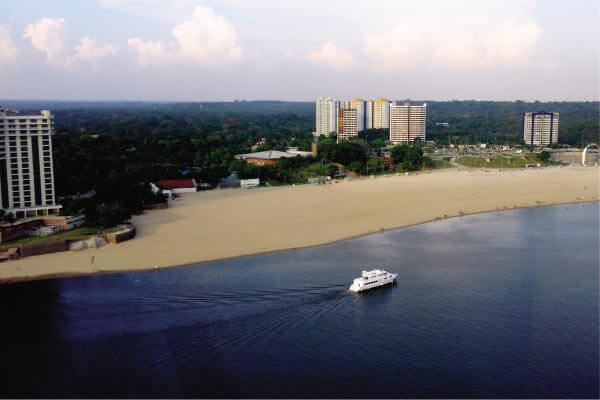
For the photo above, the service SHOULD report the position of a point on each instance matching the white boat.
(372, 279)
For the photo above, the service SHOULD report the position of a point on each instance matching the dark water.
(491, 305)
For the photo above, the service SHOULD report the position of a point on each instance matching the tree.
(107, 215)
(355, 166)
(410, 158)
(375, 164)
(543, 157)
(344, 152)
(407, 165)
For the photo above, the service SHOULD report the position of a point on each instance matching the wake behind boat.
(372, 279)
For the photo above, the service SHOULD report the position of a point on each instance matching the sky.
(215, 50)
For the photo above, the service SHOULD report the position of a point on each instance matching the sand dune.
(227, 223)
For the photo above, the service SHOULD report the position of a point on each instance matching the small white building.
(249, 183)
(171, 186)
(45, 230)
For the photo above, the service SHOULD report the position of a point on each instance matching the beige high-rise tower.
(346, 124)
(380, 117)
(359, 105)
(407, 123)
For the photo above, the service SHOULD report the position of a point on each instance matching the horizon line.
(10, 101)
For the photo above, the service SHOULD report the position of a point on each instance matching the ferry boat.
(372, 279)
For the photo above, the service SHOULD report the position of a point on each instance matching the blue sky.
(200, 50)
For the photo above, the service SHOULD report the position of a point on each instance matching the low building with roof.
(174, 186)
(269, 157)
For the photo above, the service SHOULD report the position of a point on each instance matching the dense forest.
(469, 121)
(116, 149)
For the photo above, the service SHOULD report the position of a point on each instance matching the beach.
(217, 224)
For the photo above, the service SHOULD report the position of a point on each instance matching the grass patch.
(81, 231)
(438, 164)
(497, 162)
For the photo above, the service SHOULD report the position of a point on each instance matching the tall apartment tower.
(26, 171)
(540, 128)
(407, 123)
(380, 114)
(326, 116)
(347, 126)
(369, 114)
(359, 106)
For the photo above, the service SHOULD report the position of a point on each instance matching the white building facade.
(407, 123)
(540, 128)
(326, 116)
(26, 164)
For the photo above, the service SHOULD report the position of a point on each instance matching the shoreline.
(62, 275)
(277, 231)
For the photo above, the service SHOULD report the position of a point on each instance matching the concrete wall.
(43, 248)
(126, 233)
(574, 157)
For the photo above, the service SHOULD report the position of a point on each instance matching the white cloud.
(47, 36)
(89, 50)
(8, 51)
(151, 53)
(469, 42)
(333, 56)
(205, 38)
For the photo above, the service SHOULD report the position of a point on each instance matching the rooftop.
(267, 155)
(177, 183)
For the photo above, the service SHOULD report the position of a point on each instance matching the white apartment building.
(378, 114)
(407, 123)
(347, 126)
(540, 128)
(326, 116)
(26, 166)
(359, 105)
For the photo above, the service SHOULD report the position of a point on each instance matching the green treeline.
(469, 121)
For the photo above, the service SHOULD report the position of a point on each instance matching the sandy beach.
(227, 223)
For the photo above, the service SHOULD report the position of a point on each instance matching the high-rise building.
(380, 114)
(326, 116)
(26, 171)
(347, 127)
(359, 105)
(540, 128)
(407, 123)
(369, 114)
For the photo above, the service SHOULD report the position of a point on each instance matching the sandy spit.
(229, 223)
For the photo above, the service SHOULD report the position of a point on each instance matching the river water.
(489, 305)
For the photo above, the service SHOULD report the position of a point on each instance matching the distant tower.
(540, 128)
(380, 117)
(359, 105)
(326, 111)
(347, 127)
(407, 123)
